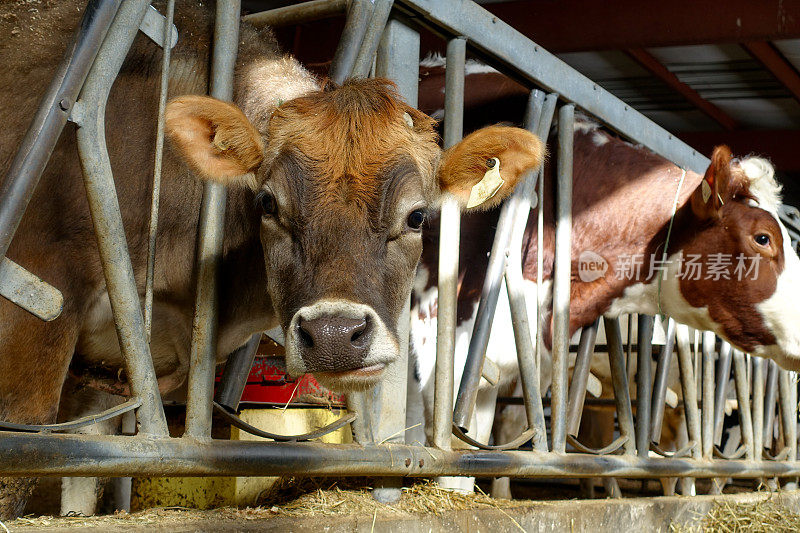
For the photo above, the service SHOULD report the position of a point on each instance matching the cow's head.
(344, 179)
(731, 225)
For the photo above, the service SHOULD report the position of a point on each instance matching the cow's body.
(623, 199)
(328, 190)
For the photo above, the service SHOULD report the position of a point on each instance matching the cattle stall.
(381, 37)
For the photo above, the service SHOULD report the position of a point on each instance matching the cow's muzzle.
(344, 344)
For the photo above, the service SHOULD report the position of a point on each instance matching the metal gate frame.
(386, 32)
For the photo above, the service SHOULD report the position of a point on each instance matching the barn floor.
(424, 509)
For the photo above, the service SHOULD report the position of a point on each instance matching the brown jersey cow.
(328, 189)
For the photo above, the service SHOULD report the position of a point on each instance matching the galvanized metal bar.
(561, 277)
(203, 356)
(369, 45)
(54, 108)
(707, 413)
(526, 352)
(660, 383)
(397, 59)
(770, 395)
(158, 165)
(449, 238)
(743, 400)
(29, 291)
(80, 455)
(355, 26)
(509, 50)
(297, 13)
(234, 377)
(721, 389)
(788, 412)
(644, 387)
(759, 378)
(688, 388)
(580, 377)
(619, 378)
(548, 109)
(107, 220)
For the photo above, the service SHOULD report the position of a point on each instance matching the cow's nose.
(334, 343)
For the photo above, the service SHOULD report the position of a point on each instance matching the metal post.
(156, 193)
(449, 237)
(104, 206)
(643, 384)
(398, 60)
(622, 396)
(296, 14)
(759, 378)
(234, 377)
(743, 400)
(580, 377)
(770, 395)
(52, 114)
(660, 384)
(369, 45)
(355, 26)
(203, 357)
(689, 389)
(561, 277)
(721, 390)
(709, 348)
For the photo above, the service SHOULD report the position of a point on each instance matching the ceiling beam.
(774, 62)
(654, 66)
(780, 146)
(580, 25)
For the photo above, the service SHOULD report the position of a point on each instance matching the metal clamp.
(514, 444)
(120, 409)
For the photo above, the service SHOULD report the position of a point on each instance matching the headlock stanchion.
(382, 37)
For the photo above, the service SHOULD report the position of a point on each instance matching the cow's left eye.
(267, 202)
(416, 219)
(762, 239)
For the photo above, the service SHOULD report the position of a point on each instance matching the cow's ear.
(719, 185)
(486, 165)
(215, 138)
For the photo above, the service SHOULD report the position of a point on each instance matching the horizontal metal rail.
(29, 454)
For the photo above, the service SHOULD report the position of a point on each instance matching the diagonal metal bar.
(619, 378)
(721, 390)
(660, 383)
(743, 400)
(580, 378)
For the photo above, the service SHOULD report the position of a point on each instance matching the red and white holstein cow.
(329, 187)
(729, 264)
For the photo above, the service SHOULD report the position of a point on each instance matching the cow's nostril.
(305, 336)
(359, 331)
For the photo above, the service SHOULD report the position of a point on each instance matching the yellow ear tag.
(488, 186)
(705, 188)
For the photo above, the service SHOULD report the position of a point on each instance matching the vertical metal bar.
(355, 26)
(209, 253)
(622, 396)
(743, 400)
(660, 384)
(398, 60)
(561, 277)
(529, 372)
(550, 102)
(104, 205)
(770, 395)
(123, 485)
(643, 384)
(449, 237)
(721, 390)
(688, 388)
(369, 45)
(707, 413)
(36, 147)
(234, 377)
(791, 422)
(156, 193)
(580, 377)
(759, 377)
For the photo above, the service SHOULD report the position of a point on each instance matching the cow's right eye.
(267, 202)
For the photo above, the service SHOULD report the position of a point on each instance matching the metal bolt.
(63, 104)
(408, 461)
(421, 463)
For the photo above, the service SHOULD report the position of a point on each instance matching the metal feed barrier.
(382, 37)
